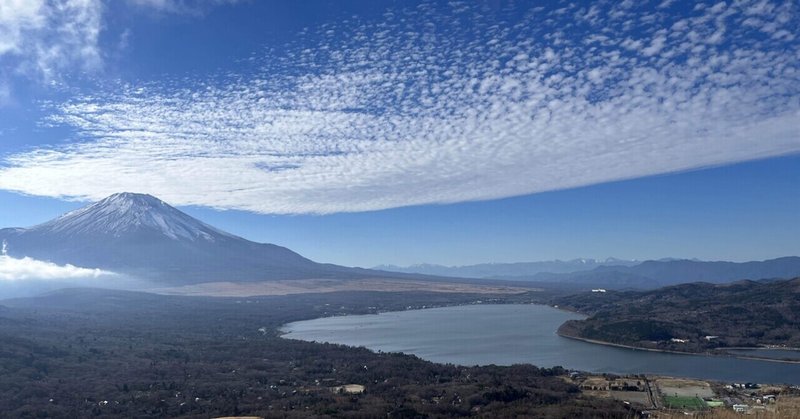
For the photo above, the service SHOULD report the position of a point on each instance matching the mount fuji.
(141, 236)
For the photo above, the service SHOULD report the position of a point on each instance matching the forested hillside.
(691, 317)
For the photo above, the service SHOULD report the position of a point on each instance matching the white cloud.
(17, 16)
(5, 94)
(43, 38)
(13, 269)
(665, 3)
(396, 114)
(656, 45)
(180, 6)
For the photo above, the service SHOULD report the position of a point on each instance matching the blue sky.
(376, 132)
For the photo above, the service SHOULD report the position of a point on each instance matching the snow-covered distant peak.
(125, 213)
(125, 200)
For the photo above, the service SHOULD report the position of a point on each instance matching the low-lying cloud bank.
(26, 268)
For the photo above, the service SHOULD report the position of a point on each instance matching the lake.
(515, 333)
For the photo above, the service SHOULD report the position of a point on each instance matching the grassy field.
(683, 402)
(684, 387)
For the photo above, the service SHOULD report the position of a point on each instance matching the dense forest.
(691, 317)
(82, 353)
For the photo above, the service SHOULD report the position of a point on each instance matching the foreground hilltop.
(142, 236)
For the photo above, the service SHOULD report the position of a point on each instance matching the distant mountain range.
(514, 270)
(655, 274)
(142, 236)
(618, 273)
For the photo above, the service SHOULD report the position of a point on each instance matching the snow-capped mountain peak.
(143, 237)
(125, 213)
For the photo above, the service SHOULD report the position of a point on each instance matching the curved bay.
(513, 334)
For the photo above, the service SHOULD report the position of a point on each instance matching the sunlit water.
(513, 334)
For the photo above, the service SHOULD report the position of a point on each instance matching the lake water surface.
(514, 333)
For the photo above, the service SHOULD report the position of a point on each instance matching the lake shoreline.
(668, 351)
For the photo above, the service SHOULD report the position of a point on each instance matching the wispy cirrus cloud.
(180, 6)
(44, 39)
(40, 38)
(441, 104)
